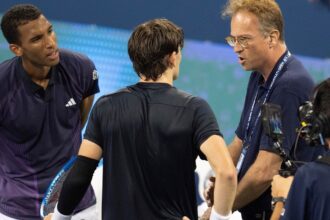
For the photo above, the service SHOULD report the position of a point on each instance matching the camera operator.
(309, 196)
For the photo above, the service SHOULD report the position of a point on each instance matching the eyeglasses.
(243, 41)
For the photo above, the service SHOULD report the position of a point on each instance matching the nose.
(237, 47)
(50, 41)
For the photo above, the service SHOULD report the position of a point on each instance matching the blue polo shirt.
(309, 195)
(39, 129)
(292, 87)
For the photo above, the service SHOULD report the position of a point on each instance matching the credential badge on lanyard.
(247, 138)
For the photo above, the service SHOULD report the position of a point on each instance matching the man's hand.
(48, 217)
(209, 192)
(209, 198)
(281, 186)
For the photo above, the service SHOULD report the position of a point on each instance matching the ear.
(16, 49)
(172, 59)
(274, 38)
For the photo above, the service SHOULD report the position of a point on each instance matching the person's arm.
(216, 152)
(78, 180)
(85, 108)
(235, 149)
(280, 189)
(278, 209)
(257, 179)
(300, 196)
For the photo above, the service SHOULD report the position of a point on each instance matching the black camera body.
(313, 128)
(272, 121)
(272, 124)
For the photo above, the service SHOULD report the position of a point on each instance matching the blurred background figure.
(309, 195)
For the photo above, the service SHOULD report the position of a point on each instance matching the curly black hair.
(17, 15)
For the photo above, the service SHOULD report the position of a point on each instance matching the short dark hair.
(321, 108)
(17, 15)
(321, 102)
(151, 44)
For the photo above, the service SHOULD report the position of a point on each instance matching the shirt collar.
(153, 85)
(28, 81)
(272, 74)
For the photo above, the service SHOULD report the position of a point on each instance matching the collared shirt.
(309, 195)
(291, 89)
(40, 129)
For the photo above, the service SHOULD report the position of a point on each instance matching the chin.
(247, 68)
(54, 62)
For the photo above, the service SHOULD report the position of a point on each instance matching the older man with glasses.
(257, 38)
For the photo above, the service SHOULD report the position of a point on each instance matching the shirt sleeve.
(93, 129)
(289, 103)
(295, 206)
(204, 122)
(90, 78)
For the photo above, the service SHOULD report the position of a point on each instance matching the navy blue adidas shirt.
(309, 195)
(39, 129)
(291, 89)
(150, 134)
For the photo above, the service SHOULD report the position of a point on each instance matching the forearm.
(234, 153)
(217, 154)
(251, 186)
(235, 149)
(76, 184)
(277, 211)
(257, 179)
(225, 192)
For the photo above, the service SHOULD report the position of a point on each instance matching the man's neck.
(39, 75)
(36, 72)
(273, 58)
(166, 77)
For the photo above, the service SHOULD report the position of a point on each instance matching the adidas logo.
(95, 75)
(71, 102)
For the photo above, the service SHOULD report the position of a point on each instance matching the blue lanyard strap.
(279, 69)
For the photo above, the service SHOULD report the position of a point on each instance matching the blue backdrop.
(307, 24)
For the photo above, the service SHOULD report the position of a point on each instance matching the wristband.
(59, 216)
(217, 216)
(276, 200)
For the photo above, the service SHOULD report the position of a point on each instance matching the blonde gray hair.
(268, 13)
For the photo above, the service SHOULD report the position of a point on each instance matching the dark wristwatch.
(277, 199)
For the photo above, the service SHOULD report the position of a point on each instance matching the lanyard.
(279, 69)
